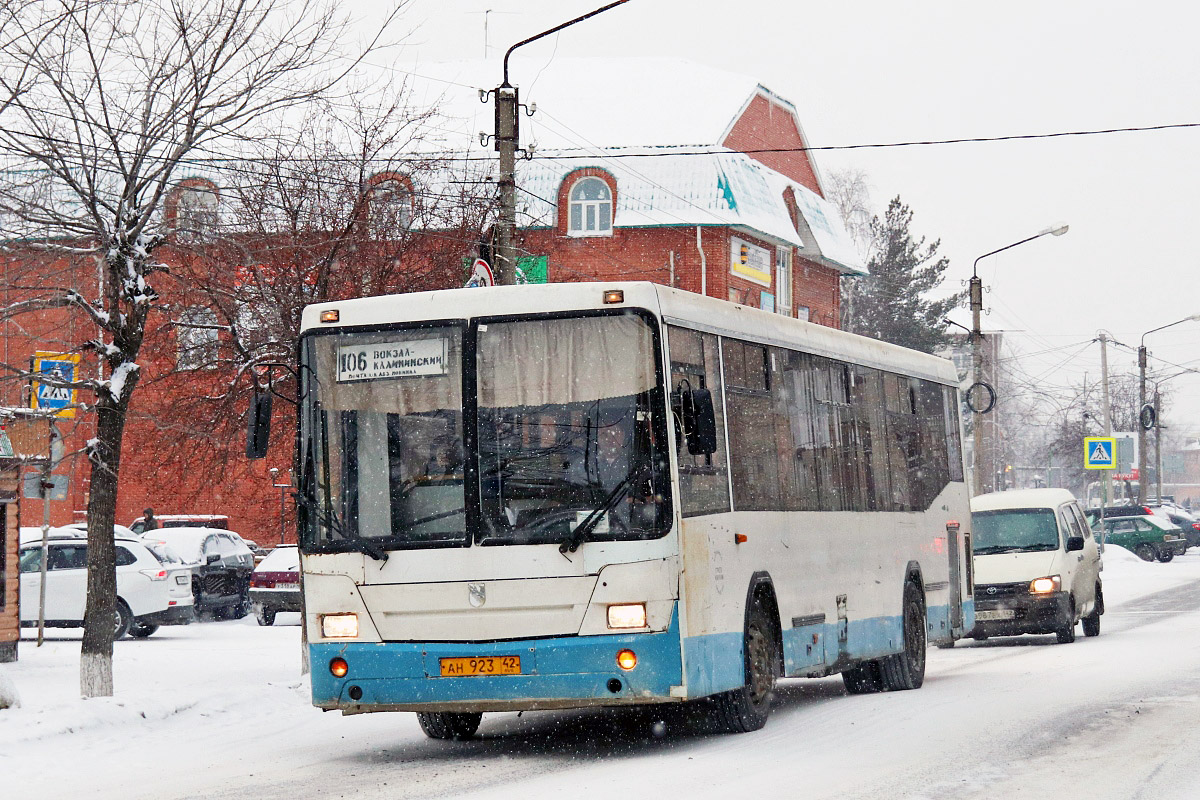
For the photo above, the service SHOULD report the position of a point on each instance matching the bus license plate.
(987, 616)
(486, 665)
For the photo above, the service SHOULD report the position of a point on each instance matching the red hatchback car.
(275, 584)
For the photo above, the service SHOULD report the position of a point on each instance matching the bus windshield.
(1013, 530)
(570, 431)
(569, 444)
(382, 444)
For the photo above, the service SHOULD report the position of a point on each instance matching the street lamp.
(1142, 427)
(977, 353)
(282, 487)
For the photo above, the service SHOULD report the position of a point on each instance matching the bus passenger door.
(954, 548)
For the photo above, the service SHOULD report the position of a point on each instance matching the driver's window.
(703, 479)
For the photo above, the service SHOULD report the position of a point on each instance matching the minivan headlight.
(1047, 585)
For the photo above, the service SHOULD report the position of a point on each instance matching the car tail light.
(154, 574)
(259, 583)
(1196, 525)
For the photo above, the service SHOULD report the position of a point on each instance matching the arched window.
(389, 204)
(590, 208)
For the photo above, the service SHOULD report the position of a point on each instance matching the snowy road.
(219, 710)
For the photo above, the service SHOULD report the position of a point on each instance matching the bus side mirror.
(258, 425)
(699, 422)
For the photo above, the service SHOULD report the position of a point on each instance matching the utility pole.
(508, 142)
(1106, 481)
(976, 294)
(1141, 429)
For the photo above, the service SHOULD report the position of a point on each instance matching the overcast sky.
(876, 72)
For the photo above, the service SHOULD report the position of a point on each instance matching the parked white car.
(150, 591)
(1037, 565)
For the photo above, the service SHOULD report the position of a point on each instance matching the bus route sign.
(1100, 452)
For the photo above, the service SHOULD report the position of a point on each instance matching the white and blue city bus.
(584, 494)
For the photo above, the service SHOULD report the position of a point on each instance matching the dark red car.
(275, 584)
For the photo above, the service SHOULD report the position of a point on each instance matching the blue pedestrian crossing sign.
(53, 392)
(1100, 452)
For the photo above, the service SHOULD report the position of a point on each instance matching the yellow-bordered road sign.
(1100, 452)
(52, 396)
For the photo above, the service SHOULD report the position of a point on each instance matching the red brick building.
(665, 171)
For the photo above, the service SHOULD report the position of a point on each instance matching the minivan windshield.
(1013, 530)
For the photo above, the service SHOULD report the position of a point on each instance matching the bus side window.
(703, 479)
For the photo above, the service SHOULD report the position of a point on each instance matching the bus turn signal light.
(338, 667)
(331, 315)
(626, 660)
(614, 296)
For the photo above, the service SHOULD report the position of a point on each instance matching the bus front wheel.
(449, 724)
(746, 708)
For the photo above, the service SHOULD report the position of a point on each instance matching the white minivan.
(1036, 565)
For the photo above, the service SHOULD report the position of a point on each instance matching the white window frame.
(594, 208)
(783, 281)
(391, 193)
(196, 347)
(196, 213)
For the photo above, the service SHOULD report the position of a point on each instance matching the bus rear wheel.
(449, 724)
(906, 669)
(863, 679)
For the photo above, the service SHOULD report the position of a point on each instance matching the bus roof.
(675, 306)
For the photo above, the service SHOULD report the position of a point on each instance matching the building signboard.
(750, 261)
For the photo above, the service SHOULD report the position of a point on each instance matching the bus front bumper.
(559, 672)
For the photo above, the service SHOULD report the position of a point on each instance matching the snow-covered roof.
(659, 187)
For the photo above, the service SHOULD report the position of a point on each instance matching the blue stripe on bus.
(554, 669)
(715, 661)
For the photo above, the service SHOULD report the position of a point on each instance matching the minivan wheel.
(1091, 624)
(1066, 634)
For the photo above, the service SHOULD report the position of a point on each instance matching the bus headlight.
(1047, 585)
(628, 615)
(339, 626)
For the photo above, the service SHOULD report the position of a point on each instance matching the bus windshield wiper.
(579, 533)
(359, 542)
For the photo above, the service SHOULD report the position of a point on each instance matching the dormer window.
(389, 204)
(193, 214)
(591, 208)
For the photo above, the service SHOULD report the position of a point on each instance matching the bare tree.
(344, 205)
(101, 104)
